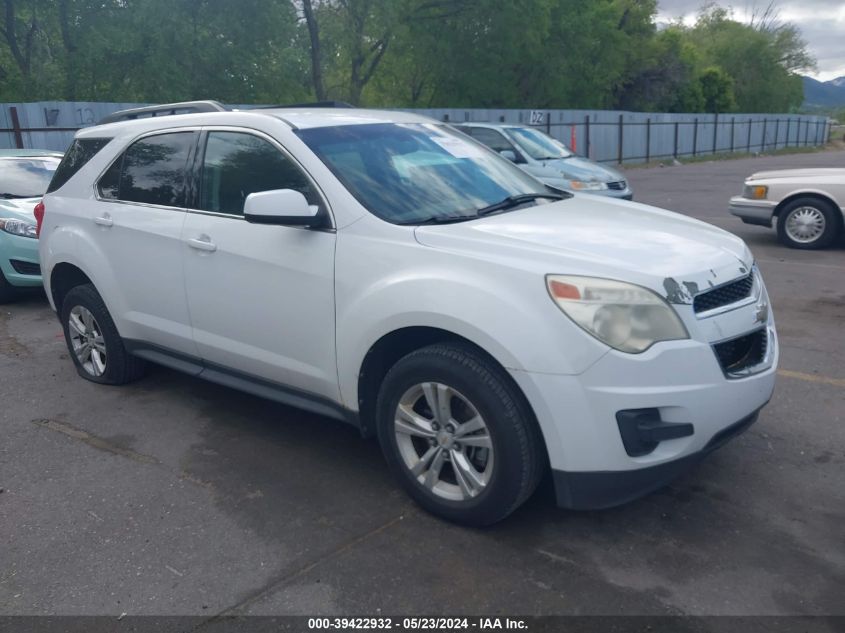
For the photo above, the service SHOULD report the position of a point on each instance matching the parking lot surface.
(176, 496)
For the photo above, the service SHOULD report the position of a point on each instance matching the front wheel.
(458, 435)
(808, 223)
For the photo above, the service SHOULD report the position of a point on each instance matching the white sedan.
(808, 205)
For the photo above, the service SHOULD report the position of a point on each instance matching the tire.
(87, 322)
(8, 292)
(808, 223)
(473, 485)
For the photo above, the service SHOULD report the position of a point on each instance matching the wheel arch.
(813, 194)
(63, 278)
(391, 347)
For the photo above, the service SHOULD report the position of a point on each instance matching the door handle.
(104, 220)
(202, 243)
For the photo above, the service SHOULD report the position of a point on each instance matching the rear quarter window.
(78, 154)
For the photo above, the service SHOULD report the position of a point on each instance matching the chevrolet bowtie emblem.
(761, 315)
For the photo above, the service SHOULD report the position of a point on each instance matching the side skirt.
(242, 382)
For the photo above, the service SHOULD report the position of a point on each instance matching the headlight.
(583, 185)
(755, 192)
(18, 227)
(627, 317)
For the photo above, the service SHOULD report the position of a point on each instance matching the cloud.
(822, 24)
(682, 7)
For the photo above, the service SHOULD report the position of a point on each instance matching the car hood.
(577, 168)
(799, 174)
(674, 255)
(19, 208)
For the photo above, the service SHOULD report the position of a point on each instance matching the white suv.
(385, 270)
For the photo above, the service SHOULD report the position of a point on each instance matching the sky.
(822, 23)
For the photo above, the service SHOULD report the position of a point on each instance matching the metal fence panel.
(603, 135)
(654, 135)
(53, 123)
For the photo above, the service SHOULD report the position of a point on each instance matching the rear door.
(139, 216)
(261, 297)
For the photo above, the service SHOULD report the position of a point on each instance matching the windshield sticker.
(458, 147)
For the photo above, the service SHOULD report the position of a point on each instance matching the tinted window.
(491, 138)
(26, 177)
(411, 173)
(238, 164)
(151, 171)
(80, 152)
(109, 185)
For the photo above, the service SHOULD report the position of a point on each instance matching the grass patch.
(837, 143)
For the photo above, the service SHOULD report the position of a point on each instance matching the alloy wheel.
(87, 341)
(444, 441)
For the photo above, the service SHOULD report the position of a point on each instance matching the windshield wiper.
(513, 201)
(439, 219)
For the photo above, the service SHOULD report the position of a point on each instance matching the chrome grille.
(724, 295)
(617, 185)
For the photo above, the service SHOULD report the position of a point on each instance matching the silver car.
(549, 160)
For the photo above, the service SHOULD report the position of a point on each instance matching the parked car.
(549, 160)
(807, 205)
(385, 270)
(24, 176)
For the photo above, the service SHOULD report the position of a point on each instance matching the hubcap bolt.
(435, 426)
(432, 442)
(450, 428)
(456, 446)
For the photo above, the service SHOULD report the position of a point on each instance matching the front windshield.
(411, 173)
(537, 145)
(26, 177)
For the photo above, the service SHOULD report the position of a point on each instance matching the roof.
(28, 153)
(297, 118)
(302, 118)
(494, 126)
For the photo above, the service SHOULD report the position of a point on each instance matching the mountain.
(818, 94)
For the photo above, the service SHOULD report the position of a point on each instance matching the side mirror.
(509, 154)
(284, 207)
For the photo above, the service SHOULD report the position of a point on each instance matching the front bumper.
(606, 489)
(681, 381)
(19, 260)
(759, 212)
(623, 194)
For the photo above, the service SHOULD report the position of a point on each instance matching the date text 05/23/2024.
(417, 624)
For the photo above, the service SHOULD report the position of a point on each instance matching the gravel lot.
(175, 496)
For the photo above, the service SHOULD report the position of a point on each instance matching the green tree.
(760, 58)
(717, 90)
(667, 79)
(460, 53)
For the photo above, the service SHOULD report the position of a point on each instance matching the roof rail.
(313, 104)
(185, 107)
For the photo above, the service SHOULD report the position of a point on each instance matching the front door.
(261, 297)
